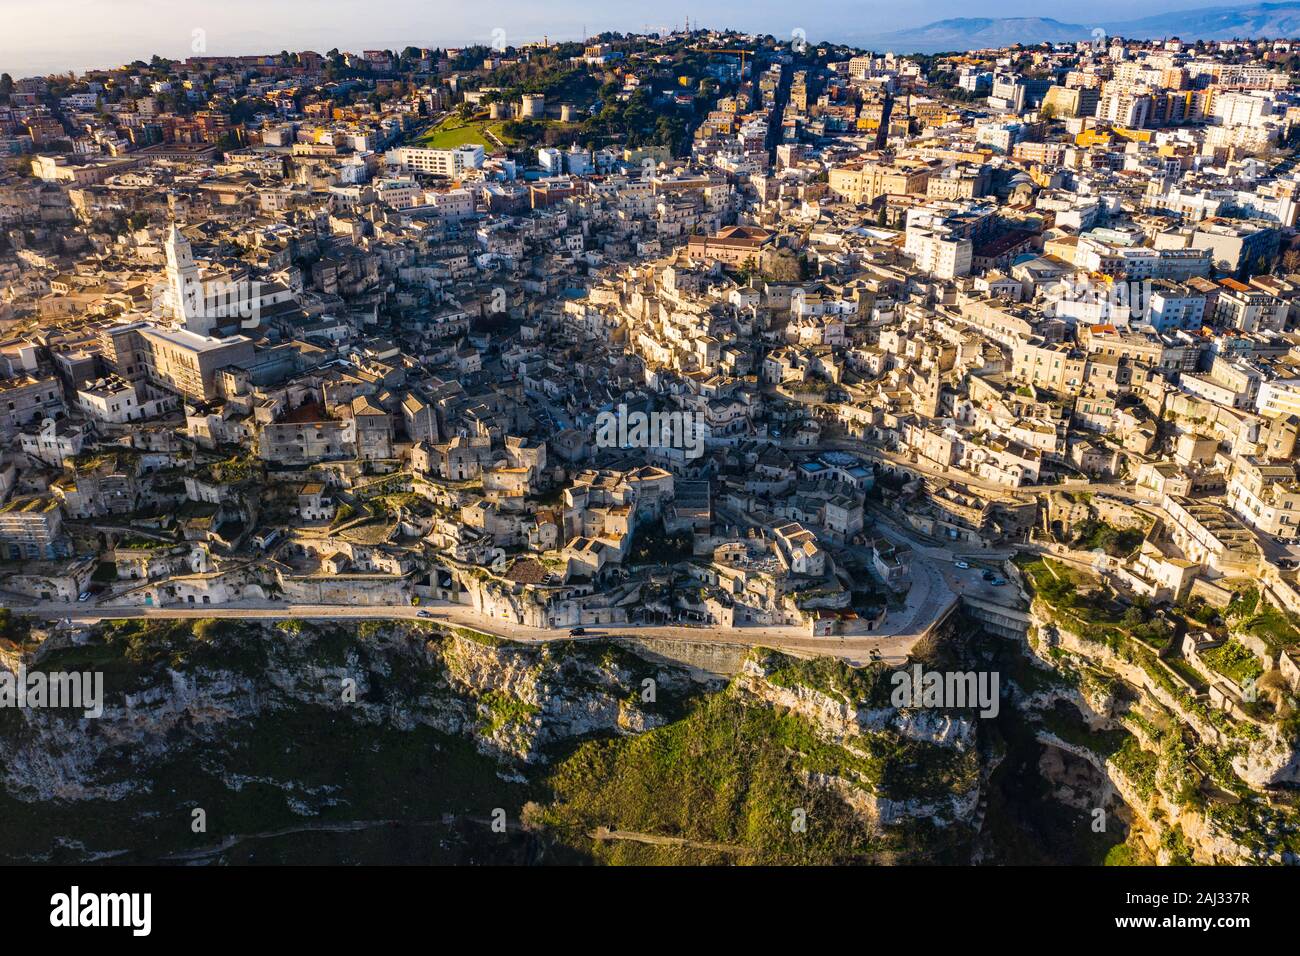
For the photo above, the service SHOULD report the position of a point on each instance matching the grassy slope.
(729, 773)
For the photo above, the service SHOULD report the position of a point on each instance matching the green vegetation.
(90, 461)
(867, 686)
(635, 122)
(1175, 776)
(1186, 671)
(1234, 661)
(557, 80)
(456, 131)
(1122, 854)
(139, 543)
(1071, 728)
(1031, 679)
(725, 778)
(1250, 613)
(1197, 610)
(237, 469)
(737, 780)
(1161, 677)
(1138, 766)
(14, 627)
(1217, 762)
(504, 710)
(254, 777)
(651, 544)
(1096, 615)
(393, 503)
(1094, 534)
(479, 637)
(134, 651)
(1173, 842)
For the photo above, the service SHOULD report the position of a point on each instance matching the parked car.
(989, 575)
(998, 582)
(423, 614)
(83, 596)
(577, 631)
(963, 564)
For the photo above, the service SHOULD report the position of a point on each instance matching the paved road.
(941, 561)
(1126, 490)
(891, 647)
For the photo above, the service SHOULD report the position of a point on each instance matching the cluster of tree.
(535, 133)
(652, 544)
(12, 627)
(545, 75)
(636, 121)
(1094, 534)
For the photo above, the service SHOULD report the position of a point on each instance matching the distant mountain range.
(1259, 20)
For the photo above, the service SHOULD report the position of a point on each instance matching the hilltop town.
(709, 335)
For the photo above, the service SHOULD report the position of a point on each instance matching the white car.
(83, 596)
(963, 564)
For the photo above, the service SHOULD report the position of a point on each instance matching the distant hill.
(1260, 20)
(965, 33)
(1267, 20)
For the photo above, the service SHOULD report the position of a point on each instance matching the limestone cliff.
(849, 716)
(1128, 732)
(279, 728)
(179, 683)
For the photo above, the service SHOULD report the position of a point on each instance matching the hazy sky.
(41, 36)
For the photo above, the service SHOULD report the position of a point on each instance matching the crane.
(743, 54)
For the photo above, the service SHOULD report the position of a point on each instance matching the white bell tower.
(184, 287)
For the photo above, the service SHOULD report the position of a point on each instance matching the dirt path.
(605, 833)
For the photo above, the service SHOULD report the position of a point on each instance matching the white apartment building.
(1176, 307)
(1125, 108)
(438, 162)
(1266, 496)
(1241, 109)
(551, 160)
(1279, 398)
(938, 251)
(1250, 309)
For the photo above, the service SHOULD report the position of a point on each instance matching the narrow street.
(891, 647)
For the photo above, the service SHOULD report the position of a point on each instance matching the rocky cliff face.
(873, 736)
(512, 701)
(1193, 784)
(272, 728)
